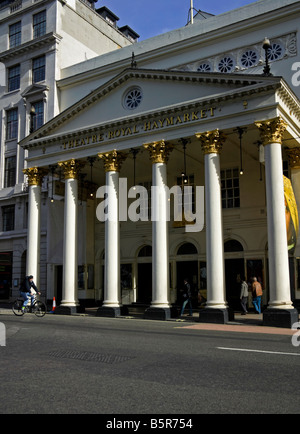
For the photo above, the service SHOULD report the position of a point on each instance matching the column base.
(112, 312)
(284, 318)
(216, 316)
(160, 313)
(69, 310)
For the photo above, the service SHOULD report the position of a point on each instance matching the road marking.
(257, 351)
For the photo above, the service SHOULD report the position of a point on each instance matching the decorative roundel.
(204, 67)
(226, 64)
(249, 58)
(275, 52)
(133, 98)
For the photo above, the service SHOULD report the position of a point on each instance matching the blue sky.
(152, 17)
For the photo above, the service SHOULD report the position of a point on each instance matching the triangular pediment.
(33, 90)
(140, 93)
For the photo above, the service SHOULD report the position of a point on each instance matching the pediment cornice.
(232, 87)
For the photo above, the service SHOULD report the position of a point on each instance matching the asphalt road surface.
(79, 365)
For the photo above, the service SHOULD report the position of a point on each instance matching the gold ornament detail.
(113, 160)
(271, 131)
(294, 157)
(35, 175)
(71, 168)
(211, 141)
(159, 151)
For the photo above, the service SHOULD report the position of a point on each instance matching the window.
(276, 52)
(8, 218)
(14, 78)
(204, 67)
(39, 24)
(15, 35)
(10, 172)
(226, 64)
(249, 58)
(12, 124)
(230, 188)
(133, 98)
(38, 119)
(38, 69)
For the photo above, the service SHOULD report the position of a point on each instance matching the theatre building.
(213, 106)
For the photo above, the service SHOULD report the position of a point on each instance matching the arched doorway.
(187, 267)
(144, 289)
(234, 271)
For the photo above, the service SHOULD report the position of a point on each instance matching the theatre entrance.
(144, 283)
(187, 270)
(234, 270)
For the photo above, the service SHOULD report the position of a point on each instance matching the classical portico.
(208, 119)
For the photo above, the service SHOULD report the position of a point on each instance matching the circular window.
(226, 64)
(249, 58)
(133, 98)
(204, 67)
(275, 52)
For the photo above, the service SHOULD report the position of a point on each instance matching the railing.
(15, 6)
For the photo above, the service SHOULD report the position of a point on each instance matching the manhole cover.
(111, 359)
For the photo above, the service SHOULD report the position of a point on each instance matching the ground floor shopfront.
(230, 143)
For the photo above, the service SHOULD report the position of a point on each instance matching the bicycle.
(38, 307)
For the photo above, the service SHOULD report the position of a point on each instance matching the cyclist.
(27, 290)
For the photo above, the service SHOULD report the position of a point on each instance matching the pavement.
(250, 323)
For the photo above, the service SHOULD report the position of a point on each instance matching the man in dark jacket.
(27, 290)
(187, 294)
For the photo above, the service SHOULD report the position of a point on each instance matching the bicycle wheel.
(40, 309)
(17, 307)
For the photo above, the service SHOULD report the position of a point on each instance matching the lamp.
(183, 174)
(267, 46)
(52, 170)
(240, 131)
(91, 160)
(134, 152)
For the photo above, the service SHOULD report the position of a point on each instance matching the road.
(88, 365)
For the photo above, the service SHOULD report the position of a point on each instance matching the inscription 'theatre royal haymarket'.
(152, 125)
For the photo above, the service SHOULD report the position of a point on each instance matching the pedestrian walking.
(256, 295)
(188, 297)
(244, 296)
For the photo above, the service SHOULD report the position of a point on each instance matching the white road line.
(258, 351)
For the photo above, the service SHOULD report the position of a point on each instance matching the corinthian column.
(35, 178)
(112, 285)
(160, 306)
(69, 303)
(216, 309)
(280, 310)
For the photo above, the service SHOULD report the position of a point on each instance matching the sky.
(152, 17)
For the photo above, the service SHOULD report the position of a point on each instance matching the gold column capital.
(71, 168)
(294, 157)
(113, 160)
(272, 130)
(35, 175)
(211, 141)
(159, 151)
